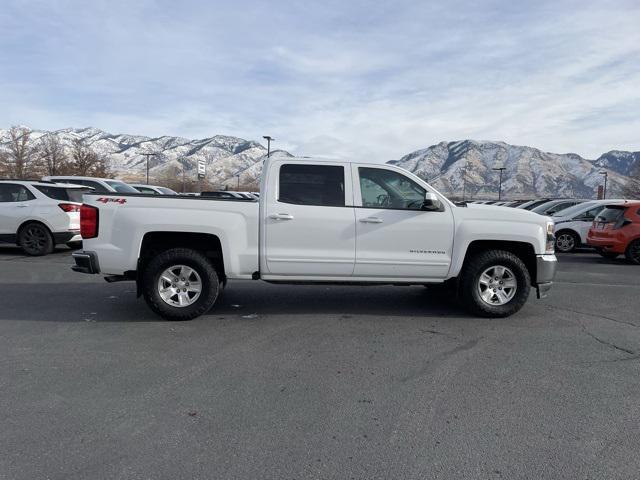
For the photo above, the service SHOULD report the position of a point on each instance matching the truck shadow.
(98, 302)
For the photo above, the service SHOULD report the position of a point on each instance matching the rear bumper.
(86, 262)
(607, 244)
(546, 266)
(64, 237)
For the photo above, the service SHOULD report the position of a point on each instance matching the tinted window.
(312, 185)
(120, 187)
(167, 191)
(64, 194)
(217, 195)
(12, 192)
(382, 188)
(590, 214)
(610, 214)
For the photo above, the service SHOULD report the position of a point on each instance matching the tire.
(480, 269)
(75, 245)
(633, 252)
(35, 239)
(170, 264)
(567, 241)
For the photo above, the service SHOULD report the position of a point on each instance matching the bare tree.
(87, 162)
(54, 158)
(632, 189)
(20, 158)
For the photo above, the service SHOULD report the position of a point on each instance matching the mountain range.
(529, 172)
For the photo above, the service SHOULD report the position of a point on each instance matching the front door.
(395, 237)
(309, 221)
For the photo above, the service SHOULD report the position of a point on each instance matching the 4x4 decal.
(121, 201)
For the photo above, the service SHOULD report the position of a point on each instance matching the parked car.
(572, 224)
(153, 189)
(99, 185)
(531, 204)
(38, 215)
(553, 206)
(616, 231)
(227, 194)
(319, 221)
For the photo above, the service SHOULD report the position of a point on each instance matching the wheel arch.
(523, 250)
(209, 244)
(32, 220)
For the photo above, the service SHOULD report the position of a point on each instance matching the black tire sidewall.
(472, 273)
(628, 254)
(190, 258)
(48, 248)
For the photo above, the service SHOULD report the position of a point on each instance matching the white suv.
(39, 215)
(99, 185)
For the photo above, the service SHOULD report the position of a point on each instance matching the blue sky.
(371, 79)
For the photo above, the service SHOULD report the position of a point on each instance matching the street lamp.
(147, 155)
(605, 174)
(500, 169)
(269, 140)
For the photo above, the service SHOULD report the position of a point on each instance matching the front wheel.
(35, 239)
(180, 284)
(495, 283)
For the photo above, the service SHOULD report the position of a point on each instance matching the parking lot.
(317, 382)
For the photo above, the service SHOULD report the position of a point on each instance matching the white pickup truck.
(317, 221)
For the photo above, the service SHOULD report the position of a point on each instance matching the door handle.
(371, 220)
(281, 216)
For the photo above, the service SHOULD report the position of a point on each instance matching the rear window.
(121, 187)
(312, 185)
(62, 194)
(610, 214)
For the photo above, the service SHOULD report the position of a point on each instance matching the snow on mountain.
(225, 156)
(529, 172)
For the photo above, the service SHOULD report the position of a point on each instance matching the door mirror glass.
(431, 202)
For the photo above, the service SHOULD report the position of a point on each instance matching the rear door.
(309, 220)
(395, 237)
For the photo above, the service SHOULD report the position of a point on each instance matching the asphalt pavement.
(297, 382)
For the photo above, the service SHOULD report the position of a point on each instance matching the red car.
(616, 230)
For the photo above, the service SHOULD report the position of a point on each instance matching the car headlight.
(551, 239)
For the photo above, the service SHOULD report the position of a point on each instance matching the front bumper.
(546, 266)
(86, 262)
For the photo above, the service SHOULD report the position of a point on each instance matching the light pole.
(464, 181)
(148, 155)
(605, 174)
(269, 140)
(238, 187)
(500, 169)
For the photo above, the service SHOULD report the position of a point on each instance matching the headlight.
(551, 239)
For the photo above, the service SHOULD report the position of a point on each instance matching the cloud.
(360, 79)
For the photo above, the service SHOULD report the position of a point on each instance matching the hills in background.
(529, 171)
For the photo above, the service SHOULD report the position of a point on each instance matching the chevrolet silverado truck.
(317, 222)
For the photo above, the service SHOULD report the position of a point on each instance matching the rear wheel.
(495, 283)
(180, 284)
(633, 252)
(567, 241)
(35, 239)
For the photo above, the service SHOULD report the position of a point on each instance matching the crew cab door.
(308, 220)
(395, 237)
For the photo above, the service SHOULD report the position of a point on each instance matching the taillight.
(69, 207)
(88, 221)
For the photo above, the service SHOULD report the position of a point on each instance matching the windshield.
(121, 187)
(64, 194)
(571, 211)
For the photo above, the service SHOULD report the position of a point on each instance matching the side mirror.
(431, 203)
